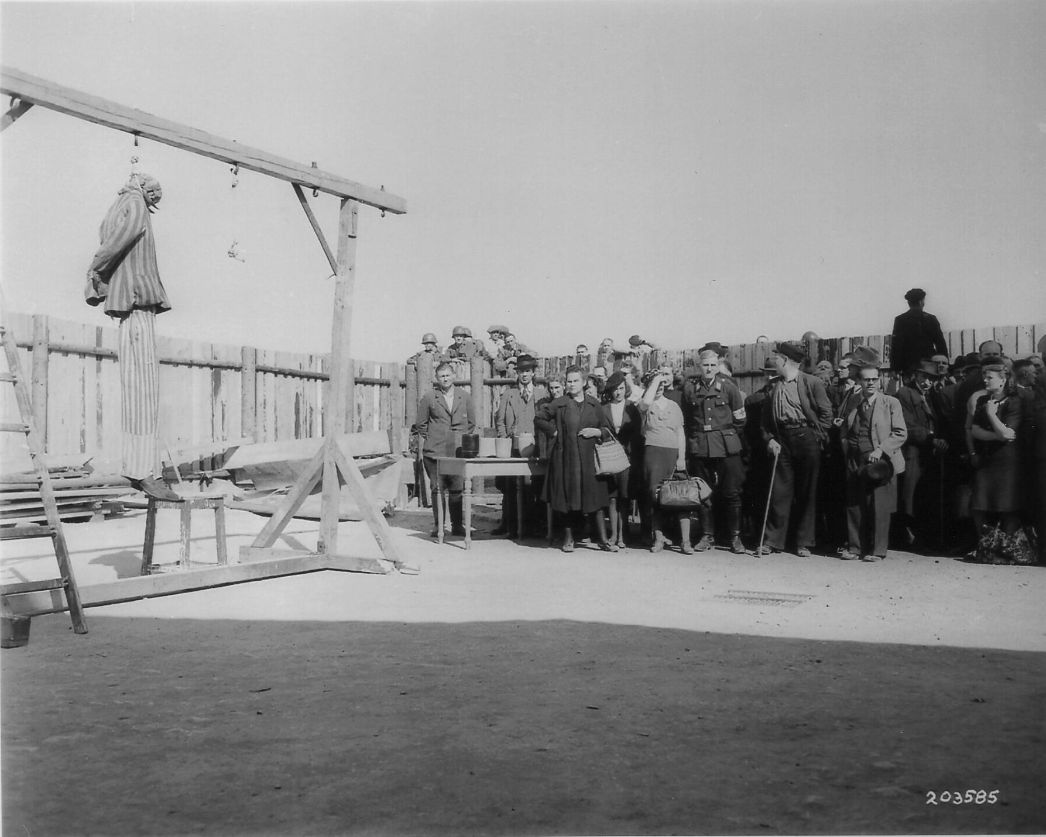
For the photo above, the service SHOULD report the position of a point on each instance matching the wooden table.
(470, 469)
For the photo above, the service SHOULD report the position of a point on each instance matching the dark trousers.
(868, 512)
(726, 476)
(794, 495)
(452, 485)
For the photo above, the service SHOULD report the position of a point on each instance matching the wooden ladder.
(53, 528)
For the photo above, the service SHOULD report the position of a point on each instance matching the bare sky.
(687, 171)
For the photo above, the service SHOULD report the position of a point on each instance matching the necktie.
(526, 395)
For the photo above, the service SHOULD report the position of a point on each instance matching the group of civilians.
(820, 458)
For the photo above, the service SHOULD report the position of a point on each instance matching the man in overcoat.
(873, 430)
(924, 444)
(444, 414)
(795, 426)
(515, 416)
(916, 334)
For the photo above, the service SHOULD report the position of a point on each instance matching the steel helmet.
(428, 337)
(460, 331)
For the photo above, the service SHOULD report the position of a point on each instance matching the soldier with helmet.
(428, 346)
(464, 346)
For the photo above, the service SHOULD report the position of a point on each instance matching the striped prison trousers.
(140, 388)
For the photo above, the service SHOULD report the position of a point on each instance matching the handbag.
(688, 493)
(610, 458)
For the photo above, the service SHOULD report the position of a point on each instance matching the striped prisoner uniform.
(123, 275)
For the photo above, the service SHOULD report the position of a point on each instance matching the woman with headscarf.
(572, 488)
(664, 453)
(626, 424)
(993, 418)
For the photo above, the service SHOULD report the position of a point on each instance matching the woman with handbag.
(664, 454)
(626, 424)
(572, 488)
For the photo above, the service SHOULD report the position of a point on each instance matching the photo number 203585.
(970, 797)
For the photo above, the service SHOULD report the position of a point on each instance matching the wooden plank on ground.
(166, 584)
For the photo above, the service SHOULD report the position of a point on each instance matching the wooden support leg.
(379, 526)
(185, 533)
(150, 537)
(299, 491)
(219, 531)
(521, 483)
(466, 509)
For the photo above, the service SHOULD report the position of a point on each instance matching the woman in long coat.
(571, 487)
(626, 424)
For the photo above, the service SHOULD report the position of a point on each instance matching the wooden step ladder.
(16, 629)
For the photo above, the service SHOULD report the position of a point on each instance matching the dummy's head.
(150, 187)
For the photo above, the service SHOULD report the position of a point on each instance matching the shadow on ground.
(176, 726)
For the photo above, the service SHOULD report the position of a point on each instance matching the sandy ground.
(515, 689)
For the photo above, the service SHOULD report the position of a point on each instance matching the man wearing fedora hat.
(872, 435)
(924, 441)
(795, 426)
(515, 417)
(916, 334)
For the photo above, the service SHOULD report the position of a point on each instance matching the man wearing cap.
(713, 418)
(123, 274)
(916, 334)
(515, 417)
(444, 414)
(795, 428)
(873, 434)
(639, 346)
(921, 446)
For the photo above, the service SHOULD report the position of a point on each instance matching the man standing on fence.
(916, 334)
(123, 275)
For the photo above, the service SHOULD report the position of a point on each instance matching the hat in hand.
(879, 472)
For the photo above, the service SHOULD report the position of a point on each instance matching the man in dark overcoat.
(916, 334)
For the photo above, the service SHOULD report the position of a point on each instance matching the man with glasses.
(872, 435)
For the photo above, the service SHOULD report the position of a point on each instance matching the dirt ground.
(512, 689)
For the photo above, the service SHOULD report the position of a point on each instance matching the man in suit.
(515, 417)
(795, 426)
(925, 442)
(873, 430)
(444, 414)
(916, 334)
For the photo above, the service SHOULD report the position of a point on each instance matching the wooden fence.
(213, 393)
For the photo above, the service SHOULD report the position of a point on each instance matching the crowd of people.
(822, 458)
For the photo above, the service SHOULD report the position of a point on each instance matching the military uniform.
(714, 415)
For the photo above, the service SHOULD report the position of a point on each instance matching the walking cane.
(769, 496)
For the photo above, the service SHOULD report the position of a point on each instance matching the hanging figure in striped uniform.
(124, 276)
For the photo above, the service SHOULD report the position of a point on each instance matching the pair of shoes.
(766, 549)
(706, 543)
(658, 544)
(156, 488)
(736, 546)
(871, 558)
(686, 548)
(500, 531)
(568, 546)
(848, 555)
(803, 552)
(606, 546)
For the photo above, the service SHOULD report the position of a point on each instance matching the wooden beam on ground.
(346, 563)
(166, 584)
(34, 90)
(13, 114)
(316, 227)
